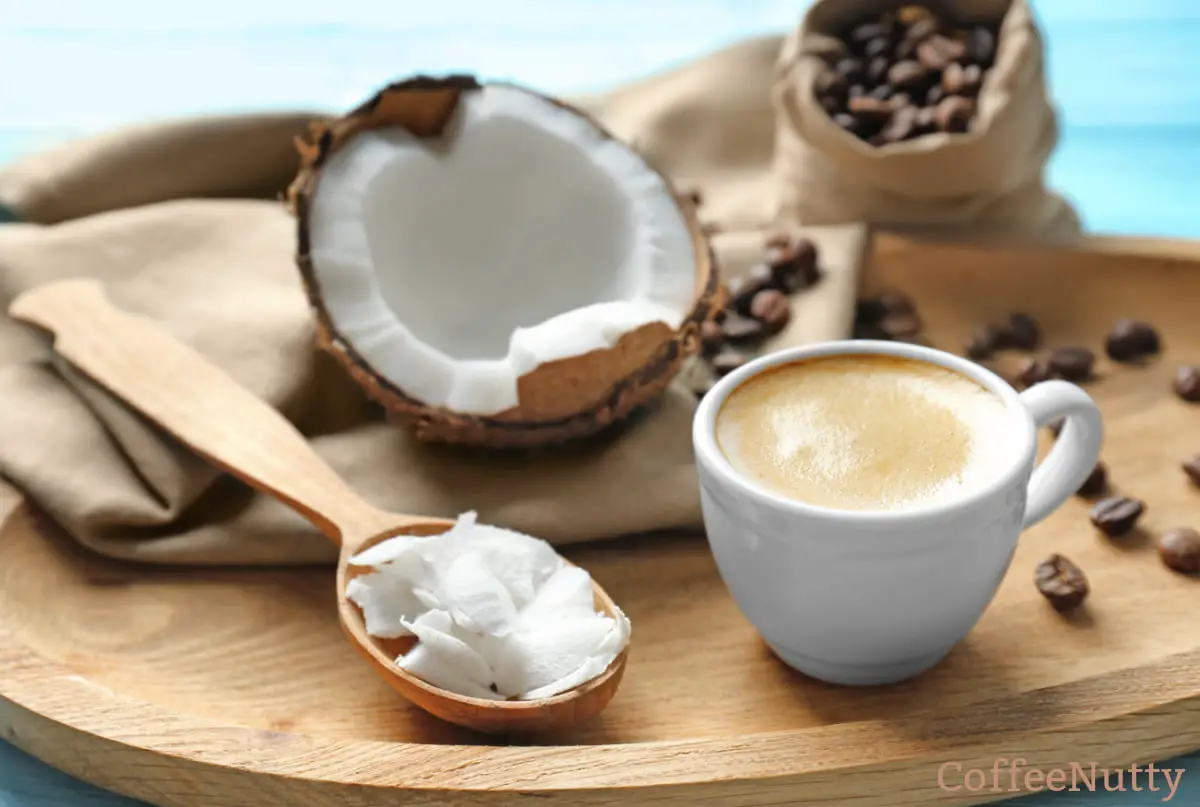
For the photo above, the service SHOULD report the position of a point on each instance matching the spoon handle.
(201, 405)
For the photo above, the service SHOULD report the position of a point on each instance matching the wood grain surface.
(190, 687)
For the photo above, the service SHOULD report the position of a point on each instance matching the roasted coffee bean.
(972, 80)
(727, 361)
(924, 122)
(851, 69)
(921, 29)
(856, 91)
(877, 69)
(901, 126)
(870, 330)
(960, 80)
(1032, 371)
(1180, 550)
(1072, 363)
(879, 46)
(953, 78)
(742, 289)
(1056, 426)
(1061, 582)
(1096, 483)
(981, 46)
(863, 34)
(953, 113)
(908, 75)
(900, 324)
(883, 92)
(869, 312)
(1117, 515)
(711, 337)
(897, 302)
(938, 51)
(848, 123)
(739, 328)
(771, 308)
(934, 96)
(871, 112)
(831, 84)
(1191, 467)
(795, 264)
(1021, 331)
(900, 100)
(1131, 340)
(1187, 383)
(983, 342)
(869, 309)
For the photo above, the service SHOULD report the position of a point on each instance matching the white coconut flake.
(496, 613)
(402, 548)
(387, 602)
(579, 676)
(475, 597)
(568, 593)
(546, 650)
(520, 562)
(444, 659)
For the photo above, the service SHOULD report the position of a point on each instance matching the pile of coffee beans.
(905, 74)
(758, 304)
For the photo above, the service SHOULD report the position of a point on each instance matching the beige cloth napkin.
(182, 222)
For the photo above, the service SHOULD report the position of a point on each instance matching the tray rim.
(1133, 691)
(38, 721)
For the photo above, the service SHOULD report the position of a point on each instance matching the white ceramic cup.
(860, 598)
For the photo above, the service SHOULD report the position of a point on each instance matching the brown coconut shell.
(558, 401)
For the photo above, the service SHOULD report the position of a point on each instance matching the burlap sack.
(988, 181)
(182, 223)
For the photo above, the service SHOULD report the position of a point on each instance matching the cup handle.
(1075, 452)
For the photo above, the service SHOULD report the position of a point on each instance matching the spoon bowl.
(204, 408)
(491, 716)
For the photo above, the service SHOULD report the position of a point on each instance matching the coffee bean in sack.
(906, 74)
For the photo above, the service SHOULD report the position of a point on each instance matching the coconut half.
(493, 266)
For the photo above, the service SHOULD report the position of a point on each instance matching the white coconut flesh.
(496, 614)
(454, 266)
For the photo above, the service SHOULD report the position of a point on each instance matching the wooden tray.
(230, 688)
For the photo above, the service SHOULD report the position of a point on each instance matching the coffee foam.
(866, 432)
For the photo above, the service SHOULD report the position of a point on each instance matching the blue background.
(1125, 74)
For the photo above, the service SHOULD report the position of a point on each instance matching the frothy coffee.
(866, 432)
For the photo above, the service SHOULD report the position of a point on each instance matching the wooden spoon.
(202, 406)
